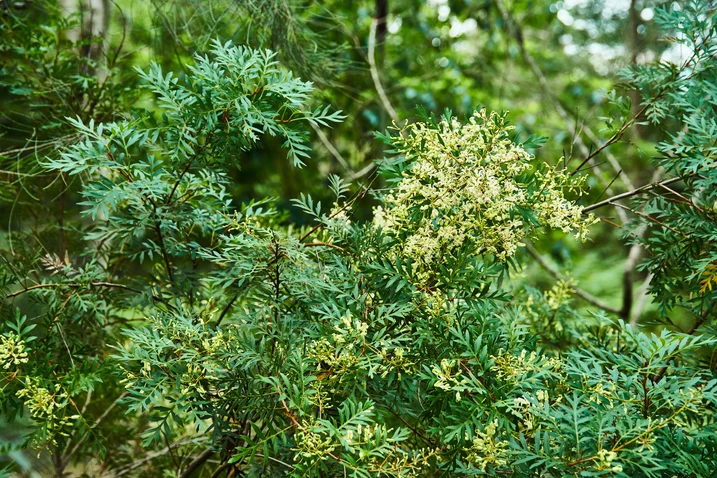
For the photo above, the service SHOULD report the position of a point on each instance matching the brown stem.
(700, 320)
(66, 458)
(226, 309)
(141, 462)
(613, 139)
(221, 469)
(158, 229)
(645, 393)
(179, 180)
(343, 208)
(146, 198)
(196, 463)
(415, 430)
(78, 285)
(324, 244)
(73, 285)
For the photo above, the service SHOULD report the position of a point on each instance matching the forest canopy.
(371, 239)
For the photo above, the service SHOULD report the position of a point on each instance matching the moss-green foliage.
(182, 324)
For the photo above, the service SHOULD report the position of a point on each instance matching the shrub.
(396, 347)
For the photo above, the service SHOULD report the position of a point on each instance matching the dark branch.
(196, 463)
(628, 194)
(698, 323)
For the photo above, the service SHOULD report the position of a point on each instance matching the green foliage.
(683, 225)
(186, 322)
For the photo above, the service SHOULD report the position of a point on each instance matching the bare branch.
(628, 194)
(67, 457)
(71, 285)
(613, 139)
(75, 285)
(334, 152)
(610, 157)
(363, 172)
(133, 466)
(226, 309)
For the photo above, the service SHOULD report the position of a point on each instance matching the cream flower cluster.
(511, 367)
(471, 185)
(12, 351)
(560, 293)
(487, 449)
(41, 402)
(448, 378)
(312, 446)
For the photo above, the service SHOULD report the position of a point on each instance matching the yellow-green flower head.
(469, 187)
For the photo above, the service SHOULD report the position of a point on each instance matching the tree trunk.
(94, 18)
(634, 47)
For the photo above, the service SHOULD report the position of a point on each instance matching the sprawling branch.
(139, 463)
(68, 456)
(77, 285)
(331, 148)
(73, 285)
(634, 192)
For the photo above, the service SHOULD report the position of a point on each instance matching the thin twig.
(133, 466)
(75, 285)
(613, 139)
(610, 157)
(363, 172)
(226, 309)
(687, 201)
(160, 237)
(650, 218)
(342, 209)
(179, 180)
(221, 469)
(324, 244)
(157, 224)
(628, 194)
(66, 458)
(700, 320)
(271, 458)
(72, 285)
(334, 152)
